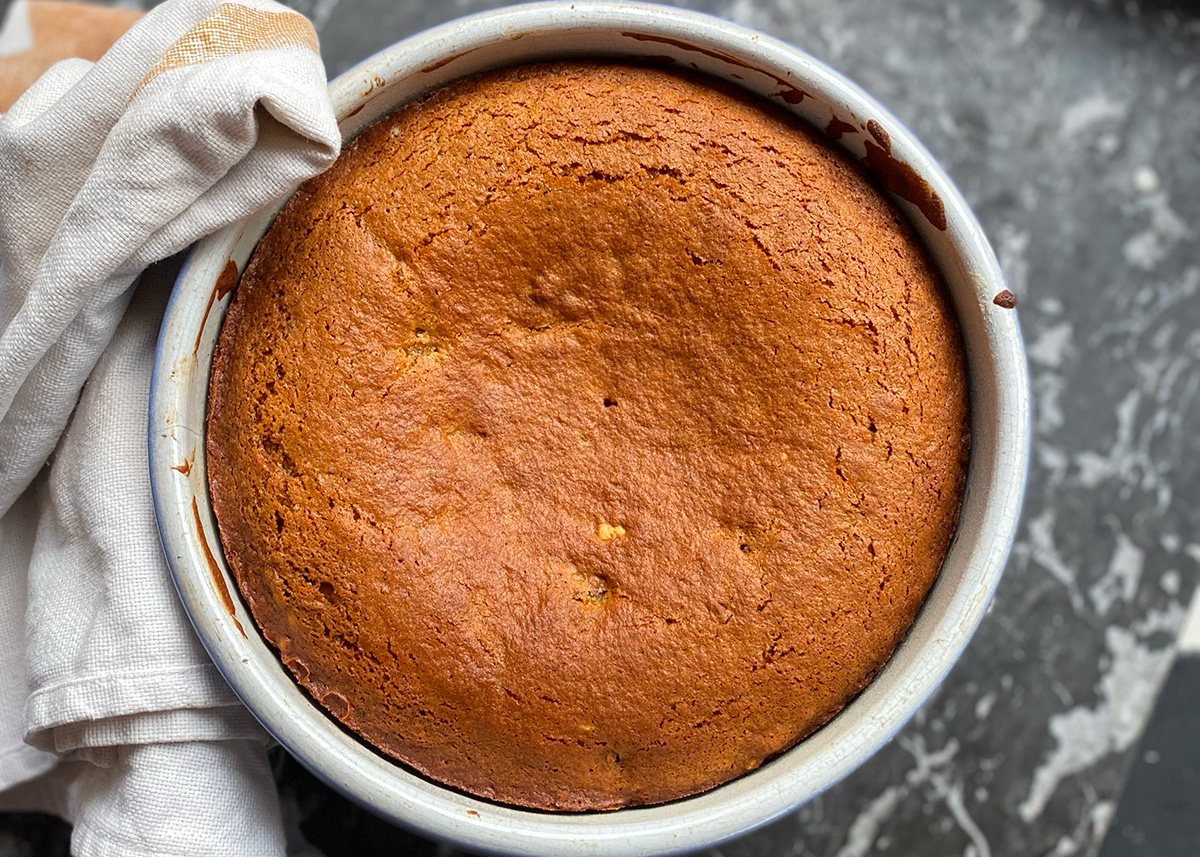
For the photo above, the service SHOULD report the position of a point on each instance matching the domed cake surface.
(587, 435)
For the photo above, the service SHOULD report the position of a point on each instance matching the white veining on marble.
(1052, 345)
(1148, 307)
(1012, 247)
(983, 705)
(1135, 459)
(1029, 12)
(934, 768)
(1089, 829)
(1095, 468)
(1149, 247)
(862, 833)
(1048, 388)
(1166, 620)
(1044, 553)
(1099, 108)
(1101, 815)
(1085, 735)
(1121, 578)
(951, 793)
(1145, 179)
(1054, 461)
(1065, 847)
(1186, 76)
(1189, 636)
(748, 13)
(860, 839)
(322, 11)
(318, 11)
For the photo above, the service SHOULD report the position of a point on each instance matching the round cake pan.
(954, 608)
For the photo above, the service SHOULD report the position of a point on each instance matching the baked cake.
(587, 435)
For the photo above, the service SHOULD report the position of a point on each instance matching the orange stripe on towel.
(233, 29)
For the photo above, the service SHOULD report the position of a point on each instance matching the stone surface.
(1156, 816)
(1073, 128)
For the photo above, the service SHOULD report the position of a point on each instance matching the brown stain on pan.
(186, 467)
(837, 128)
(228, 279)
(788, 91)
(225, 284)
(1005, 299)
(203, 321)
(215, 570)
(441, 63)
(900, 178)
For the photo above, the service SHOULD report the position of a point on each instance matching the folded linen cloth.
(110, 712)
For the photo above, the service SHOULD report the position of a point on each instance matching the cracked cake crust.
(587, 434)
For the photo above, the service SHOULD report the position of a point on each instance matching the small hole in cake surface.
(610, 403)
(327, 591)
(598, 588)
(593, 589)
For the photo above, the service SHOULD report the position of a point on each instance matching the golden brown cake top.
(587, 434)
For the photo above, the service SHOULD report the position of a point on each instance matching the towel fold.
(111, 714)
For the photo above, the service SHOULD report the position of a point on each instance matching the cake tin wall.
(956, 604)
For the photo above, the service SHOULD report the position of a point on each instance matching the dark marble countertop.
(1073, 128)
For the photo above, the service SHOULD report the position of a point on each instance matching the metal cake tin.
(956, 604)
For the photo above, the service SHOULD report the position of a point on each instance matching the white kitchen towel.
(202, 113)
(174, 800)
